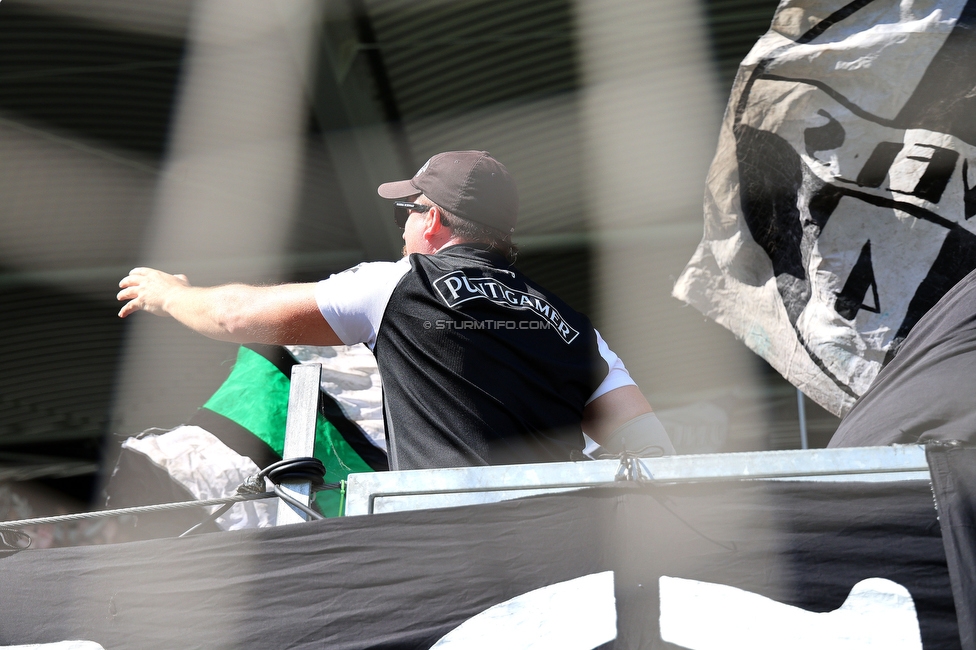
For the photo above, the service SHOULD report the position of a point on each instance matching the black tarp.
(953, 469)
(404, 580)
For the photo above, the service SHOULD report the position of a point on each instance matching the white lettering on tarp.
(878, 613)
(456, 288)
(59, 645)
(548, 618)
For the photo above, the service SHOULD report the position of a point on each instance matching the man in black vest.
(480, 365)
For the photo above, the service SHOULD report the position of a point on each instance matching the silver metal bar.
(409, 490)
(303, 404)
(801, 409)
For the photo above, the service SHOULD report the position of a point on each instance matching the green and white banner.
(241, 429)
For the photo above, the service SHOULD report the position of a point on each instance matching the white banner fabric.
(839, 205)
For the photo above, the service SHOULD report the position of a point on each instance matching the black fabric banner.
(954, 483)
(405, 580)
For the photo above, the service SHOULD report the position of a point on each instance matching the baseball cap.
(469, 184)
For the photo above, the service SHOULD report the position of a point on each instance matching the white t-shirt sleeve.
(353, 301)
(616, 377)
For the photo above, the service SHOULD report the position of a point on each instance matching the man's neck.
(453, 241)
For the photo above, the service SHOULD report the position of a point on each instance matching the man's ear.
(434, 225)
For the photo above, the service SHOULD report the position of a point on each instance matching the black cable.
(292, 470)
(296, 504)
(213, 516)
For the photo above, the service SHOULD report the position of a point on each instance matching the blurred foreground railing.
(440, 488)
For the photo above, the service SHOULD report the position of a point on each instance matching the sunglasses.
(402, 210)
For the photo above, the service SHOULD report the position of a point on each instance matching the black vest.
(481, 366)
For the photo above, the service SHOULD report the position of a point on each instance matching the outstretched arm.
(281, 315)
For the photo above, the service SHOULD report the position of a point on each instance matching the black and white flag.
(839, 204)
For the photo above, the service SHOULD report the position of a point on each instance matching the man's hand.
(148, 290)
(284, 314)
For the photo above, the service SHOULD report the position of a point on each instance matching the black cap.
(469, 184)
